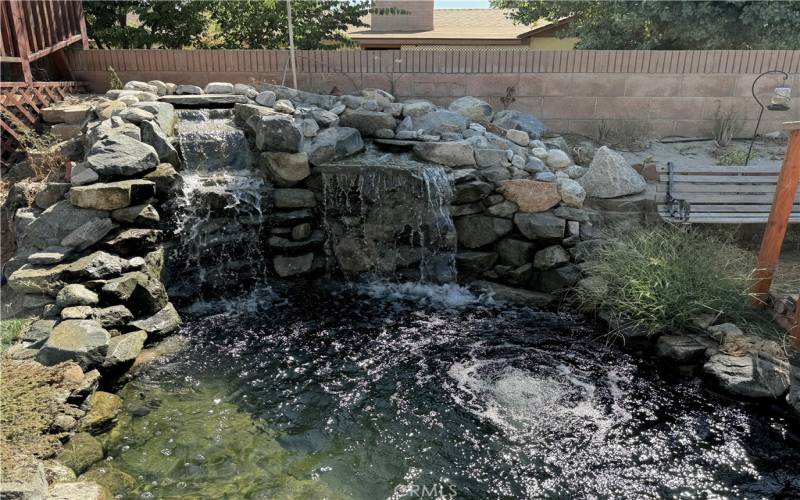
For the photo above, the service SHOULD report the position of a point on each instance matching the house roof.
(456, 24)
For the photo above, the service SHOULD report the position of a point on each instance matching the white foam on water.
(446, 295)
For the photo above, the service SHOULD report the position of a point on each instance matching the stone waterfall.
(219, 217)
(389, 219)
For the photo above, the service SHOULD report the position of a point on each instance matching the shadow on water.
(412, 391)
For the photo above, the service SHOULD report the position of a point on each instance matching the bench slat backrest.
(721, 194)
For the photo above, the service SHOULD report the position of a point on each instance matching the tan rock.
(531, 196)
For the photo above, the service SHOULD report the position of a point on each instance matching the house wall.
(552, 43)
(667, 92)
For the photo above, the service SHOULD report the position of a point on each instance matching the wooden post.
(785, 191)
(794, 333)
(82, 22)
(21, 32)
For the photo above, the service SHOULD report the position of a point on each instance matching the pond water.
(409, 391)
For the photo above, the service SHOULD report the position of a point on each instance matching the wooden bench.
(719, 194)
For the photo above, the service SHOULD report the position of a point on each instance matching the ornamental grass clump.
(660, 278)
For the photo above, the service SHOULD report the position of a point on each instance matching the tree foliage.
(238, 24)
(668, 25)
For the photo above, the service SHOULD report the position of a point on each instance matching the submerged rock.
(519, 296)
(80, 452)
(103, 410)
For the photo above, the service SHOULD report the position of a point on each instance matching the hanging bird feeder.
(779, 101)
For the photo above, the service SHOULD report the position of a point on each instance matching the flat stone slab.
(203, 100)
(504, 293)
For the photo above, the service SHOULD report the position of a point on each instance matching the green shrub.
(660, 278)
(10, 331)
(737, 157)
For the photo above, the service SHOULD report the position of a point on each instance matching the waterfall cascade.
(390, 218)
(219, 217)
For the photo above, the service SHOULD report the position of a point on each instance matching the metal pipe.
(761, 113)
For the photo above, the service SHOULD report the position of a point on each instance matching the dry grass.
(726, 125)
(629, 135)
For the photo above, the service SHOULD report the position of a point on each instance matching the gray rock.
(39, 330)
(577, 214)
(475, 262)
(245, 90)
(519, 137)
(504, 293)
(82, 341)
(683, 349)
(793, 397)
(469, 192)
(82, 175)
(286, 266)
(546, 176)
(141, 215)
(133, 241)
(79, 490)
(219, 88)
(534, 165)
(135, 115)
(124, 348)
(325, 118)
(438, 122)
(294, 198)
(120, 289)
(50, 280)
(417, 108)
(543, 225)
(88, 234)
(161, 87)
(754, 375)
(188, 90)
(266, 98)
(286, 169)
(468, 209)
(112, 316)
(491, 157)
(575, 171)
(108, 128)
(571, 192)
(558, 279)
(166, 180)
(284, 106)
(333, 144)
(514, 252)
(475, 231)
(52, 193)
(278, 133)
(384, 133)
(26, 482)
(309, 127)
(76, 312)
(452, 154)
(518, 120)
(610, 176)
(112, 195)
(161, 323)
(141, 86)
(54, 224)
(557, 159)
(155, 137)
(285, 245)
(76, 295)
(301, 232)
(505, 209)
(367, 122)
(550, 257)
(121, 156)
(473, 108)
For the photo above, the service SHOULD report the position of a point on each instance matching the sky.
(461, 4)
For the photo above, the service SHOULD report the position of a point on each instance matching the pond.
(420, 391)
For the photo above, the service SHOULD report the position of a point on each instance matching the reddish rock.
(531, 196)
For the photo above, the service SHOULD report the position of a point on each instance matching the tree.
(668, 25)
(317, 24)
(147, 23)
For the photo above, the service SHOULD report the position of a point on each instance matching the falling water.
(390, 218)
(220, 213)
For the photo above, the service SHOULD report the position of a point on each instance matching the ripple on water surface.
(398, 391)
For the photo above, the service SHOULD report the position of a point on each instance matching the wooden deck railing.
(37, 28)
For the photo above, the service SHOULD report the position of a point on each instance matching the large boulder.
(278, 132)
(154, 136)
(81, 340)
(50, 280)
(475, 231)
(440, 122)
(610, 176)
(333, 144)
(286, 169)
(473, 108)
(571, 192)
(514, 252)
(542, 225)
(164, 113)
(756, 375)
(55, 224)
(531, 196)
(164, 322)
(367, 122)
(112, 195)
(120, 156)
(452, 154)
(518, 120)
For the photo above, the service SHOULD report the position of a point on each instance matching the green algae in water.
(187, 442)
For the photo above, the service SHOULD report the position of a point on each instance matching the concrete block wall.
(666, 92)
